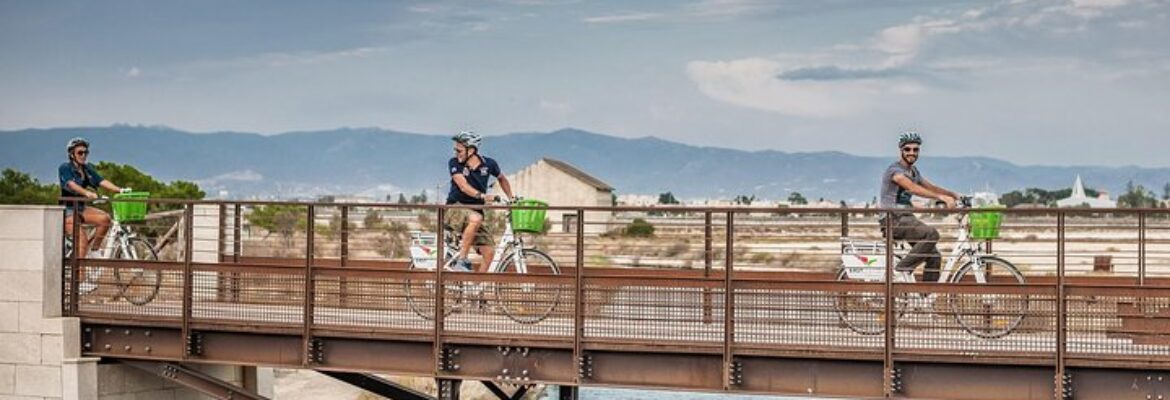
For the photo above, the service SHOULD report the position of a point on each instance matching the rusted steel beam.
(888, 381)
(502, 395)
(1061, 390)
(579, 302)
(377, 385)
(729, 305)
(195, 380)
(188, 275)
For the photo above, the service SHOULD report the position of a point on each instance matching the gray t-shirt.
(893, 195)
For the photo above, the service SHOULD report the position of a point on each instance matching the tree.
(402, 198)
(283, 219)
(20, 188)
(744, 200)
(797, 199)
(1166, 191)
(1137, 196)
(667, 198)
(421, 198)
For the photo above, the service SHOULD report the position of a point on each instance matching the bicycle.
(521, 302)
(984, 315)
(122, 243)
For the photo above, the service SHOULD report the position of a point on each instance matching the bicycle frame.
(508, 241)
(963, 250)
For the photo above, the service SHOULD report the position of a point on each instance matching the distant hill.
(377, 162)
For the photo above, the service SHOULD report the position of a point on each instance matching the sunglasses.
(909, 149)
(81, 153)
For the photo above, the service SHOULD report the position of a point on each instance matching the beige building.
(560, 184)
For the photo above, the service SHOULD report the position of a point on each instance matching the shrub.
(639, 228)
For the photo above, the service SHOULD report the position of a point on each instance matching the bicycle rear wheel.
(989, 315)
(529, 303)
(420, 294)
(137, 284)
(864, 312)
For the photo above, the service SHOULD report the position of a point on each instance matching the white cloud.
(605, 19)
(731, 8)
(755, 83)
(555, 107)
(133, 72)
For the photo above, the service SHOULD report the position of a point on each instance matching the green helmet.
(909, 137)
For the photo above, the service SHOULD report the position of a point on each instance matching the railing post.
(579, 305)
(344, 235)
(74, 280)
(728, 303)
(236, 235)
(343, 282)
(219, 247)
(440, 262)
(888, 353)
(188, 275)
(309, 288)
(1061, 309)
(1141, 248)
(708, 314)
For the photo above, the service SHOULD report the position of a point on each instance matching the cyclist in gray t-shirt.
(900, 182)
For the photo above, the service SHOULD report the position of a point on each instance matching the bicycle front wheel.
(137, 284)
(990, 315)
(529, 303)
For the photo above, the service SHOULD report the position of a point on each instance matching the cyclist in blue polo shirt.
(470, 175)
(79, 178)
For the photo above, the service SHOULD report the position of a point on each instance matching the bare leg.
(474, 219)
(101, 223)
(488, 252)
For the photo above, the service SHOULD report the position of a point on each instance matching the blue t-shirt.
(89, 179)
(477, 178)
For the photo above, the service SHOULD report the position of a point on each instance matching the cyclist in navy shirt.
(470, 175)
(79, 178)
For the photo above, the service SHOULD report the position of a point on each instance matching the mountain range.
(376, 162)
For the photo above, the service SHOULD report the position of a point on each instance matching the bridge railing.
(730, 284)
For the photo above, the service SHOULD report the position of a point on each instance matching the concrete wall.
(40, 352)
(545, 182)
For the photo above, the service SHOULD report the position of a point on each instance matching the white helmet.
(75, 142)
(468, 138)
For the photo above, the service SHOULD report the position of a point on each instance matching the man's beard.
(907, 161)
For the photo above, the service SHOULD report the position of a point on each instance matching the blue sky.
(1029, 81)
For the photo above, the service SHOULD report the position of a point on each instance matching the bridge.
(735, 300)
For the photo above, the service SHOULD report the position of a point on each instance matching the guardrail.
(723, 292)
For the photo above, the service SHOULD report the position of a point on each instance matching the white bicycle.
(522, 302)
(982, 315)
(137, 285)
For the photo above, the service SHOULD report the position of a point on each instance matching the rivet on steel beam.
(455, 351)
(127, 332)
(455, 367)
(505, 371)
(88, 329)
(147, 349)
(524, 372)
(88, 345)
(108, 330)
(127, 348)
(147, 333)
(107, 347)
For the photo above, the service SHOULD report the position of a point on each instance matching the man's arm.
(505, 185)
(110, 186)
(939, 189)
(461, 183)
(921, 191)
